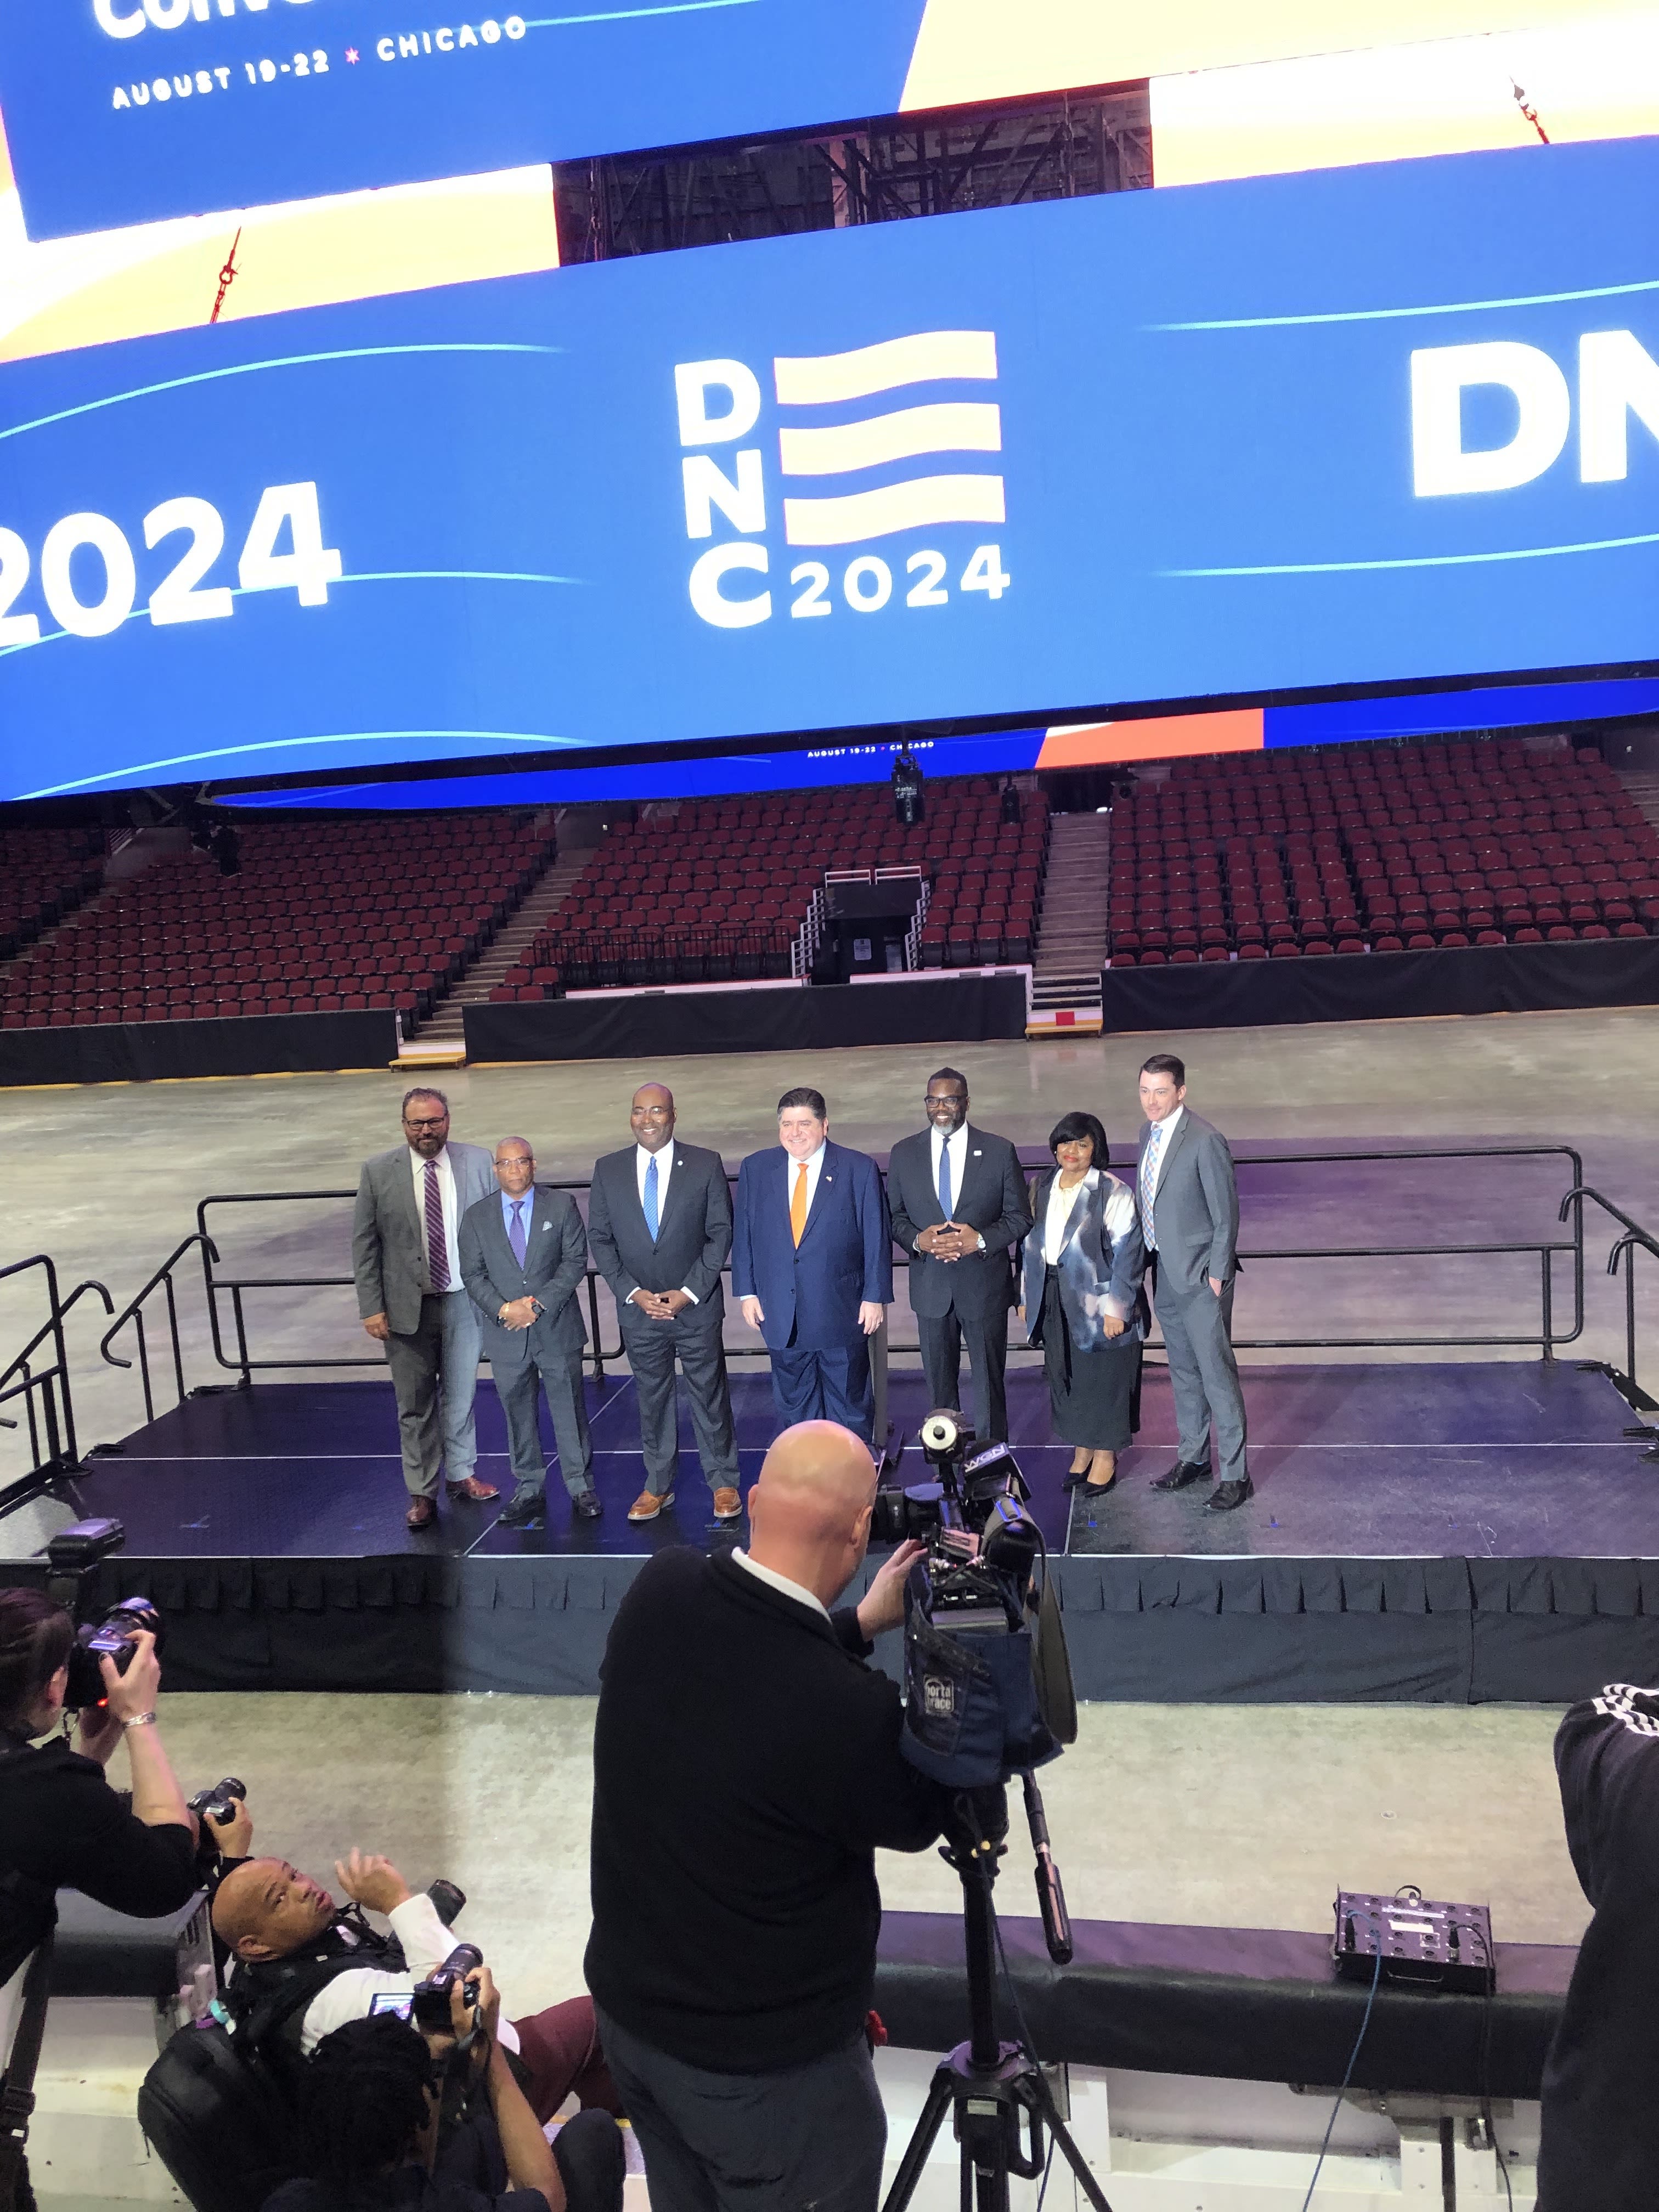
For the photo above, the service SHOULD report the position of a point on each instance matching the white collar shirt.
(814, 1167)
(1151, 1175)
(451, 1208)
(1058, 1213)
(665, 1160)
(955, 1146)
(774, 1580)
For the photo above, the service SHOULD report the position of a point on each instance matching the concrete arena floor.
(1236, 1816)
(107, 1178)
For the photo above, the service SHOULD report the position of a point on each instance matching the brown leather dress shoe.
(648, 1505)
(728, 1506)
(422, 1512)
(479, 1493)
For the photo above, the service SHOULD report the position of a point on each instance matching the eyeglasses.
(442, 1122)
(945, 1098)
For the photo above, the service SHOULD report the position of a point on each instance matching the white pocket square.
(546, 1225)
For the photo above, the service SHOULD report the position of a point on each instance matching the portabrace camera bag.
(972, 1713)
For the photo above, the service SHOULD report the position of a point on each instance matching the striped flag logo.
(905, 432)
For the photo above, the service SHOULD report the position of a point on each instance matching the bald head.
(651, 1117)
(263, 1909)
(810, 1510)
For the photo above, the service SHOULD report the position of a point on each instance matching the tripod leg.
(940, 2097)
(1063, 2140)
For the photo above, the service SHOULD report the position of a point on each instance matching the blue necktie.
(1148, 1178)
(944, 1180)
(516, 1234)
(650, 1199)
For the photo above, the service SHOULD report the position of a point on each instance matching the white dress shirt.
(451, 1218)
(1059, 1212)
(956, 1147)
(770, 1575)
(665, 1160)
(814, 1167)
(1149, 1193)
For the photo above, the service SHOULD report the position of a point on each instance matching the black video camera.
(988, 1679)
(430, 2010)
(74, 1554)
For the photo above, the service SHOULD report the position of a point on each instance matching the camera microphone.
(1051, 1894)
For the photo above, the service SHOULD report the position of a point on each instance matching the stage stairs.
(443, 1040)
(1072, 942)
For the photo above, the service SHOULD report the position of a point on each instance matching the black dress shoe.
(1228, 1497)
(588, 1506)
(1183, 1473)
(524, 1513)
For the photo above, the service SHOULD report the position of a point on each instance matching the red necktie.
(437, 1256)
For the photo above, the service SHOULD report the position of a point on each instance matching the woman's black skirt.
(1092, 1393)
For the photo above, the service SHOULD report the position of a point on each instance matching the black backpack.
(218, 2106)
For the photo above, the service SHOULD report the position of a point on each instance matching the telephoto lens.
(432, 1997)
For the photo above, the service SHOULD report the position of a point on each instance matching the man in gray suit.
(1189, 1219)
(406, 1257)
(524, 1254)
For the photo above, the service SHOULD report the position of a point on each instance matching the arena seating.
(687, 898)
(323, 916)
(1381, 846)
(44, 875)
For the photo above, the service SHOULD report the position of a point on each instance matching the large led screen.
(1366, 427)
(126, 111)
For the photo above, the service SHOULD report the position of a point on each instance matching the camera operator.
(746, 1767)
(371, 2101)
(283, 1930)
(62, 1826)
(1599, 2141)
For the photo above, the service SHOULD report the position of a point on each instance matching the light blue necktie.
(650, 1199)
(944, 1180)
(1148, 1183)
(516, 1236)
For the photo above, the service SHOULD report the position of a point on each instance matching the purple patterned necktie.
(516, 1234)
(437, 1256)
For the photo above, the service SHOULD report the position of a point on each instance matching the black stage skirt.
(1092, 1393)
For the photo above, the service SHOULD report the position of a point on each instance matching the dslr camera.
(430, 2009)
(74, 1555)
(987, 1679)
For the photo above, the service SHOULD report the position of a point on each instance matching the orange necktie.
(798, 1205)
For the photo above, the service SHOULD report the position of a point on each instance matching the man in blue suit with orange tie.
(813, 1265)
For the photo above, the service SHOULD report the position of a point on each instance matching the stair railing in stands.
(1621, 1257)
(233, 1352)
(48, 1400)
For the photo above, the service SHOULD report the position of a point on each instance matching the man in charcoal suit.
(1188, 1203)
(405, 1257)
(523, 1259)
(659, 1221)
(958, 1200)
(812, 1263)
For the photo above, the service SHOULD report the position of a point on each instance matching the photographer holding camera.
(61, 1825)
(746, 1768)
(371, 2103)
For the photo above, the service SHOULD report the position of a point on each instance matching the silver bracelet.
(140, 1720)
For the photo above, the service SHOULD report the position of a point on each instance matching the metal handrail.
(1623, 1256)
(54, 1413)
(238, 1359)
(133, 1311)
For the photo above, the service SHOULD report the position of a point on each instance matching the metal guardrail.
(48, 1401)
(233, 1352)
(1621, 1257)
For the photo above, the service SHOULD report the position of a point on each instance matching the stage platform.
(1436, 1533)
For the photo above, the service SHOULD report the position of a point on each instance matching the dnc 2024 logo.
(824, 496)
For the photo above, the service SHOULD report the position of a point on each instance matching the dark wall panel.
(143, 1052)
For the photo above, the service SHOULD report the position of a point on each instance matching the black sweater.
(63, 1826)
(746, 1766)
(1600, 2149)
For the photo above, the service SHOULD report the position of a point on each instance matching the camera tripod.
(986, 2084)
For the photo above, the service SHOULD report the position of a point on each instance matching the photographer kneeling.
(61, 1825)
(371, 2101)
(746, 1767)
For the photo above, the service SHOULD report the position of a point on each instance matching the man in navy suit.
(812, 1266)
(524, 1254)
